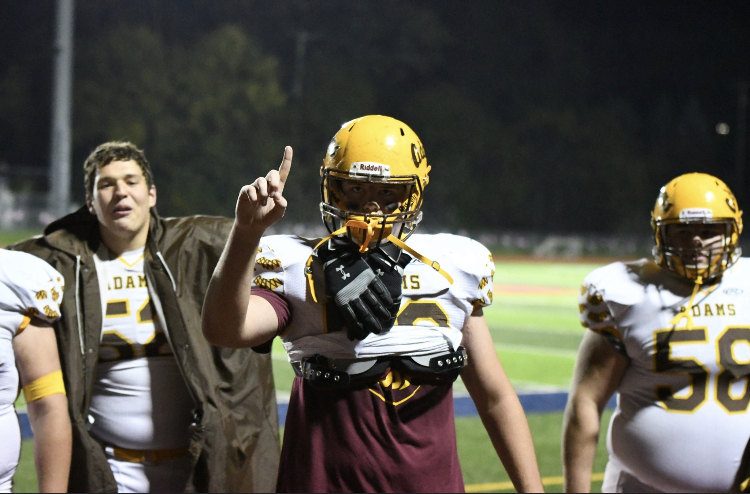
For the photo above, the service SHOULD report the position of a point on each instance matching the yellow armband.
(47, 385)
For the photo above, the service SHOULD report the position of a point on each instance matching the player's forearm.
(498, 405)
(580, 437)
(509, 432)
(52, 442)
(227, 298)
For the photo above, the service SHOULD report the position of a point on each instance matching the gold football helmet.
(375, 149)
(690, 199)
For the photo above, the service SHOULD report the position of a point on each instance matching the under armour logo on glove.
(364, 299)
(344, 275)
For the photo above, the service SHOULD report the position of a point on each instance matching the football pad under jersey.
(681, 422)
(140, 400)
(29, 288)
(403, 431)
(432, 313)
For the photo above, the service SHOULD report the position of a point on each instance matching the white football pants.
(165, 476)
(617, 480)
(10, 447)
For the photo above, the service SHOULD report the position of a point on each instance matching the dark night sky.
(681, 58)
(641, 49)
(686, 48)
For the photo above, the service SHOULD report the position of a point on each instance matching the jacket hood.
(78, 231)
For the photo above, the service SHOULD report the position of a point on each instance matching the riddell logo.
(370, 168)
(696, 213)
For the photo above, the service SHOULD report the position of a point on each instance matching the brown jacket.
(235, 436)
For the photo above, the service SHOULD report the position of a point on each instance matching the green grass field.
(534, 324)
(9, 237)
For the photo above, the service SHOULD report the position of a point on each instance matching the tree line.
(518, 105)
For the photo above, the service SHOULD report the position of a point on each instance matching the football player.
(670, 335)
(149, 399)
(30, 294)
(377, 323)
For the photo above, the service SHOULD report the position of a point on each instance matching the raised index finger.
(286, 165)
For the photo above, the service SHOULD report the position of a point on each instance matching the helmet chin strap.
(433, 264)
(372, 227)
(688, 312)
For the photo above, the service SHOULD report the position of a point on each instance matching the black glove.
(391, 272)
(361, 296)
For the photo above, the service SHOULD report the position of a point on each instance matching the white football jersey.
(432, 313)
(681, 422)
(140, 400)
(29, 288)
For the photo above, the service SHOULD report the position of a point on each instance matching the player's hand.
(262, 203)
(359, 294)
(391, 274)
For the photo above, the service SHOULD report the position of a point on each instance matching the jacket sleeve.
(240, 438)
